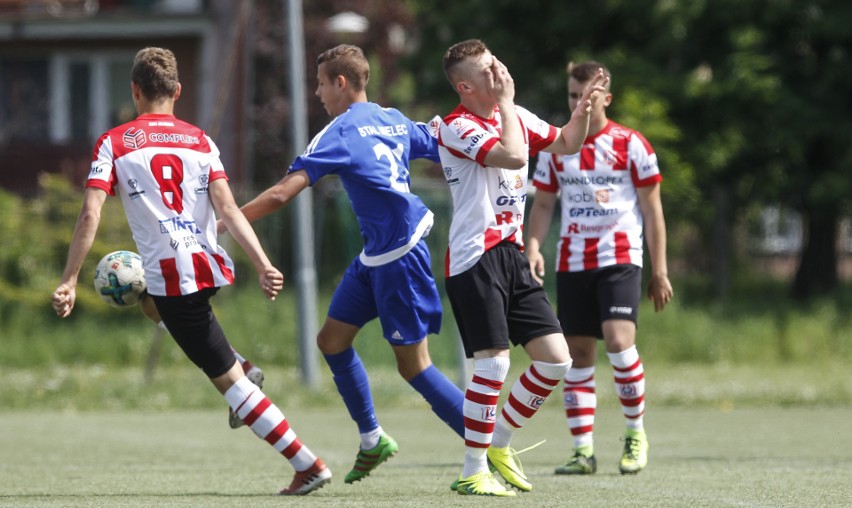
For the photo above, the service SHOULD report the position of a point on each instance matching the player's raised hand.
(594, 93)
(271, 281)
(63, 299)
(502, 86)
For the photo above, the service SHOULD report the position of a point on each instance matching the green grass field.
(768, 457)
(749, 404)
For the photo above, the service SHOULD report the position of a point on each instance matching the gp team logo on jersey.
(134, 138)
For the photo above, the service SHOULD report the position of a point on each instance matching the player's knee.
(549, 348)
(412, 362)
(409, 371)
(328, 344)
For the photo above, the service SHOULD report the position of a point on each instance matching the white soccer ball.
(120, 279)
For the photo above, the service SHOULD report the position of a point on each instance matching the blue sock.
(353, 385)
(445, 398)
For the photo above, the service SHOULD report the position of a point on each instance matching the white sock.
(370, 440)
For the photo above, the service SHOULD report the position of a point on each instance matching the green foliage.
(743, 97)
(36, 234)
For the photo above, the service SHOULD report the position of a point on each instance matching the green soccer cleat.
(505, 461)
(367, 460)
(635, 455)
(482, 484)
(578, 464)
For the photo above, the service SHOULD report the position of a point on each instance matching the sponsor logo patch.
(511, 200)
(535, 402)
(177, 224)
(621, 310)
(133, 138)
(571, 399)
(628, 391)
(489, 413)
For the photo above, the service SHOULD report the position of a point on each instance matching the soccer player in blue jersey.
(369, 147)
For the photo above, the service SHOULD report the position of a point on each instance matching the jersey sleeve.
(465, 138)
(541, 134)
(544, 177)
(102, 173)
(216, 169)
(326, 154)
(424, 140)
(644, 168)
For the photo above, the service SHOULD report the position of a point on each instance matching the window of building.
(23, 100)
(89, 93)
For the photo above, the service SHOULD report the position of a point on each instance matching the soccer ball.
(120, 279)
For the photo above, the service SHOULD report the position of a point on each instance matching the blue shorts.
(402, 294)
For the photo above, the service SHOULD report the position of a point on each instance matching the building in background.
(65, 78)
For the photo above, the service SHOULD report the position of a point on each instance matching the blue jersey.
(369, 147)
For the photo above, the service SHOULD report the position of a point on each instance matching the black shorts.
(497, 301)
(190, 320)
(586, 299)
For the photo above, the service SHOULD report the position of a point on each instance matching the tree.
(745, 100)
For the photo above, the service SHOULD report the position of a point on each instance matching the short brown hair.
(584, 71)
(460, 51)
(155, 72)
(348, 61)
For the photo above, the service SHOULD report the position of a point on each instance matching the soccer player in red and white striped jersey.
(485, 145)
(609, 193)
(172, 183)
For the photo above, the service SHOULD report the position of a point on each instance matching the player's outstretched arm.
(273, 198)
(65, 295)
(277, 196)
(271, 280)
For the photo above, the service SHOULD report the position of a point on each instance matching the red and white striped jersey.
(601, 218)
(161, 166)
(488, 202)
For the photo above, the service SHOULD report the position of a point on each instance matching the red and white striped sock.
(527, 395)
(480, 411)
(580, 402)
(630, 385)
(268, 423)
